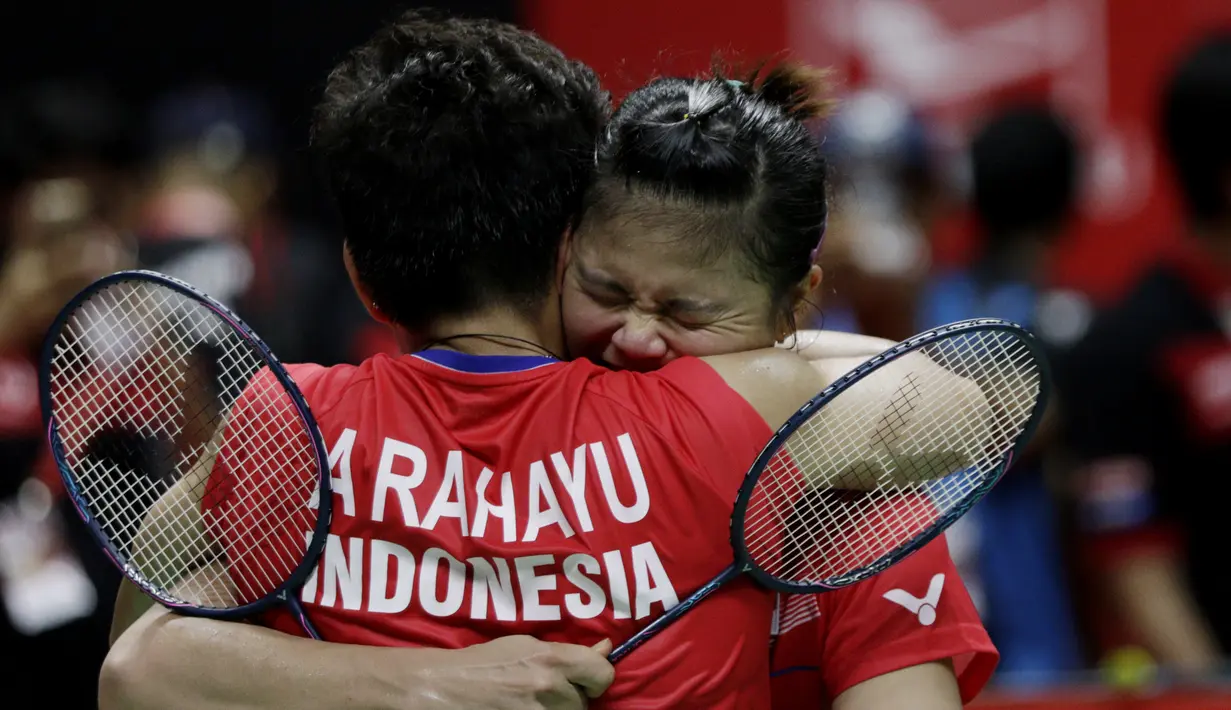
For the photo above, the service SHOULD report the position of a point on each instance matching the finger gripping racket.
(185, 447)
(882, 461)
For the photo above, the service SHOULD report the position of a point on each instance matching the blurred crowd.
(185, 186)
(1102, 547)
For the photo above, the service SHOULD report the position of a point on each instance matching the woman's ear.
(365, 296)
(805, 296)
(564, 254)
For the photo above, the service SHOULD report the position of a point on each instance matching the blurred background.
(1004, 158)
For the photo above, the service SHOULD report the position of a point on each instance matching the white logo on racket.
(924, 608)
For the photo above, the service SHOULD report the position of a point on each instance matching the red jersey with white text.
(915, 612)
(476, 497)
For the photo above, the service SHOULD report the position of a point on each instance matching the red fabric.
(414, 443)
(913, 613)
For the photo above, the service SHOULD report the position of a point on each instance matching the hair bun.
(683, 135)
(800, 91)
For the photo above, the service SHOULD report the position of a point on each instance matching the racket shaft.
(675, 613)
(301, 615)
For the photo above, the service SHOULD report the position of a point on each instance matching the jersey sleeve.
(913, 613)
(694, 408)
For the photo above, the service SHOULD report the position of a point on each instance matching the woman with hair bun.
(700, 236)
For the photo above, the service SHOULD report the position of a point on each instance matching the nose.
(637, 345)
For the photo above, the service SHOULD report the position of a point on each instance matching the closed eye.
(692, 314)
(600, 289)
(608, 296)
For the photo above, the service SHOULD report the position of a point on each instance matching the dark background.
(280, 49)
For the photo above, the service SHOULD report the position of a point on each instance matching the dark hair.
(1023, 171)
(1196, 113)
(457, 152)
(736, 155)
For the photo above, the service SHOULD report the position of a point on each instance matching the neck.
(508, 332)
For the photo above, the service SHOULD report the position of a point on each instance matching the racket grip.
(292, 600)
(673, 614)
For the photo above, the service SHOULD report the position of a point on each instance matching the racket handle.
(674, 613)
(292, 600)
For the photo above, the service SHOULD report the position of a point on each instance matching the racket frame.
(743, 561)
(286, 592)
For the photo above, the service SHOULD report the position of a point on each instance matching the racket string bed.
(845, 490)
(131, 359)
(111, 504)
(189, 455)
(77, 433)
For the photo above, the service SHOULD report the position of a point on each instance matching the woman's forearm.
(130, 605)
(928, 686)
(170, 661)
(166, 660)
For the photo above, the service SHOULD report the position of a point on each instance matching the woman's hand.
(523, 673)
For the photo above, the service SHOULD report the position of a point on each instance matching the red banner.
(1101, 62)
(629, 41)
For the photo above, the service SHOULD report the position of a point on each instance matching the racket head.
(915, 513)
(239, 359)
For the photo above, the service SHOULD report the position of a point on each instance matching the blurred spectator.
(64, 151)
(209, 215)
(888, 192)
(1149, 402)
(62, 146)
(1024, 177)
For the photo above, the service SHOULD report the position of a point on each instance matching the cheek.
(588, 326)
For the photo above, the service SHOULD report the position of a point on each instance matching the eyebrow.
(689, 305)
(677, 304)
(598, 279)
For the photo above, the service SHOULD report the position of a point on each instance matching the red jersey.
(915, 612)
(478, 497)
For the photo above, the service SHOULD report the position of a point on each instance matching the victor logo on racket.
(882, 461)
(163, 411)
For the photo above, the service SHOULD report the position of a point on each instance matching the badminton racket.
(881, 462)
(185, 447)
